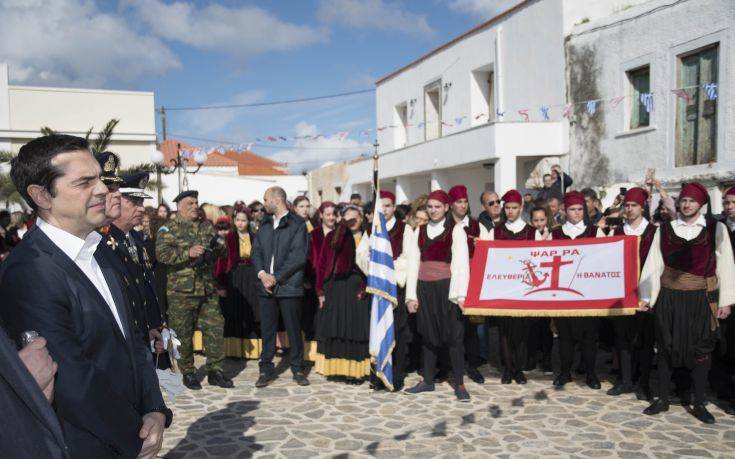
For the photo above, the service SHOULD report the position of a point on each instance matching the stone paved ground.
(329, 419)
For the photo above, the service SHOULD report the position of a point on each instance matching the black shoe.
(421, 387)
(621, 388)
(217, 378)
(398, 386)
(546, 366)
(474, 374)
(520, 378)
(562, 379)
(192, 382)
(593, 382)
(701, 413)
(461, 393)
(643, 393)
(506, 377)
(300, 379)
(658, 406)
(263, 380)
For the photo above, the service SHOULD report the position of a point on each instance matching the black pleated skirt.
(241, 311)
(438, 320)
(683, 326)
(343, 324)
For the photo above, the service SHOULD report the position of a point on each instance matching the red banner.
(582, 277)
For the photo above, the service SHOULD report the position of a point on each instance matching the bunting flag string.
(545, 113)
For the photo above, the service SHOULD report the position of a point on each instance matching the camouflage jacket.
(172, 248)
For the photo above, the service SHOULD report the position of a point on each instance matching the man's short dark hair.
(547, 175)
(33, 165)
(355, 196)
(589, 193)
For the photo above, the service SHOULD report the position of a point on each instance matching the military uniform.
(191, 290)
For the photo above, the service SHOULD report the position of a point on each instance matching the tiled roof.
(247, 162)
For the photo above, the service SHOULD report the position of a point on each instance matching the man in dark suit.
(28, 425)
(62, 283)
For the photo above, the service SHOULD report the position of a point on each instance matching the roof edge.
(454, 40)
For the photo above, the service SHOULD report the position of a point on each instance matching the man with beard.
(688, 280)
(460, 208)
(137, 270)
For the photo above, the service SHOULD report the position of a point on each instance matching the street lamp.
(178, 165)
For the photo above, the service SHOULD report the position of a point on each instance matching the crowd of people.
(98, 283)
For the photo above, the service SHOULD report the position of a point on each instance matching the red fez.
(440, 195)
(637, 195)
(457, 192)
(388, 195)
(325, 205)
(512, 196)
(573, 198)
(696, 191)
(730, 191)
(223, 220)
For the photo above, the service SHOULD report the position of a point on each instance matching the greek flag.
(711, 90)
(381, 282)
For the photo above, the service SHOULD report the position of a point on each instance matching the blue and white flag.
(647, 101)
(711, 90)
(381, 282)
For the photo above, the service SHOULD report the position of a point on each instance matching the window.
(696, 116)
(482, 95)
(640, 83)
(401, 121)
(432, 111)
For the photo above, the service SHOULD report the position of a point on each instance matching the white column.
(403, 190)
(504, 172)
(4, 106)
(439, 180)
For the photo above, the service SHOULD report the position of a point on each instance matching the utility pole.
(158, 166)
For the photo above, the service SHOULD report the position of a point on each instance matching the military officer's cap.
(186, 194)
(133, 185)
(109, 163)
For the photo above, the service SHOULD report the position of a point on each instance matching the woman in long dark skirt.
(242, 319)
(343, 324)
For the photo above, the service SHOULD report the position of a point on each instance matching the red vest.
(439, 248)
(396, 238)
(696, 256)
(502, 233)
(645, 241)
(473, 231)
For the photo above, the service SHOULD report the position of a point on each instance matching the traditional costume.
(343, 323)
(438, 275)
(513, 330)
(634, 335)
(687, 277)
(584, 330)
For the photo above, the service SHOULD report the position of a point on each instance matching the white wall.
(25, 109)
(526, 52)
(223, 190)
(656, 40)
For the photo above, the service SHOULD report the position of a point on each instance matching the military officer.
(138, 279)
(189, 246)
(108, 163)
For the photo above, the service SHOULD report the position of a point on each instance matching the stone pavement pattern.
(329, 419)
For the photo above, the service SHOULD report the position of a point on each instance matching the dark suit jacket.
(105, 382)
(28, 424)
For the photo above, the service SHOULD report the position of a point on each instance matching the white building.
(438, 117)
(24, 110)
(227, 177)
(655, 47)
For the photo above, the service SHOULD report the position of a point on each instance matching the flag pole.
(375, 171)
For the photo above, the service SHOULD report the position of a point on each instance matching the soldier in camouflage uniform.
(187, 245)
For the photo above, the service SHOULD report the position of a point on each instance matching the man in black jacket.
(62, 283)
(28, 425)
(279, 257)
